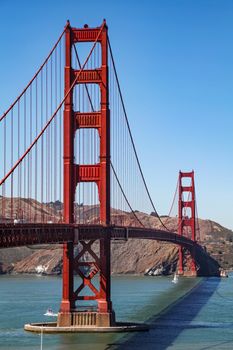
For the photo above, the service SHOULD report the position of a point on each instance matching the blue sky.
(175, 65)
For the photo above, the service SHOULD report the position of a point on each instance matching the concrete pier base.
(187, 273)
(190, 274)
(180, 273)
(86, 318)
(52, 327)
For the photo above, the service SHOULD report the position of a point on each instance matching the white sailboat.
(175, 278)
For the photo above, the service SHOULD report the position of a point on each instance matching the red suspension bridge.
(70, 174)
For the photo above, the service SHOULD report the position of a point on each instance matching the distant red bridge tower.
(186, 223)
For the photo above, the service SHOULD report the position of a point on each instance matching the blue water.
(193, 314)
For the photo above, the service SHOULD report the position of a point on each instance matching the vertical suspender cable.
(12, 176)
(36, 159)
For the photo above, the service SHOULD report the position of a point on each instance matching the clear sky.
(175, 64)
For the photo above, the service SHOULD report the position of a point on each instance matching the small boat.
(175, 278)
(50, 313)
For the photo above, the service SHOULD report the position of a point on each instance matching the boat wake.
(50, 313)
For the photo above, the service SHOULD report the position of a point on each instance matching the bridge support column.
(98, 264)
(193, 263)
(180, 262)
(67, 297)
(67, 303)
(187, 220)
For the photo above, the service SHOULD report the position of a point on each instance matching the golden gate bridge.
(66, 146)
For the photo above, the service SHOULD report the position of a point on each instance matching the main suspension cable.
(173, 202)
(113, 169)
(131, 137)
(34, 77)
(124, 195)
(54, 114)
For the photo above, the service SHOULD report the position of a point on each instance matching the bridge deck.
(15, 235)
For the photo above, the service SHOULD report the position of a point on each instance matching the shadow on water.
(171, 322)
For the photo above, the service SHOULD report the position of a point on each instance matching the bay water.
(195, 313)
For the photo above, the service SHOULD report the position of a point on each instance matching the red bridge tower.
(186, 223)
(77, 173)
